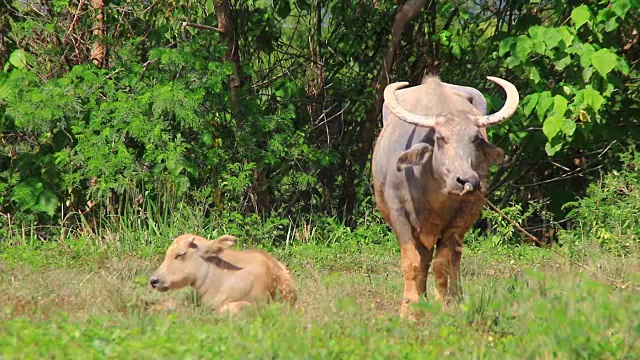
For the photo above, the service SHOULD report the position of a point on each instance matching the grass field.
(89, 299)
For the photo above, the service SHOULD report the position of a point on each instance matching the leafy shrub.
(609, 214)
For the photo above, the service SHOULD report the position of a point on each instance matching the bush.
(609, 214)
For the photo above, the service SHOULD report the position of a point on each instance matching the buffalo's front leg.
(415, 259)
(452, 243)
(415, 265)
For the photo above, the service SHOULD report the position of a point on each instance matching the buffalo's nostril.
(154, 282)
(474, 182)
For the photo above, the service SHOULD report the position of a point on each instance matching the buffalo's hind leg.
(233, 307)
(442, 270)
(446, 267)
(455, 289)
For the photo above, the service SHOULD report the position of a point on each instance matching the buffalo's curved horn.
(392, 103)
(509, 108)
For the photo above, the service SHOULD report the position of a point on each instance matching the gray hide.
(427, 178)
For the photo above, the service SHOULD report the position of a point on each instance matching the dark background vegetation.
(266, 112)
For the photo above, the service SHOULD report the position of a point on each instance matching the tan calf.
(225, 279)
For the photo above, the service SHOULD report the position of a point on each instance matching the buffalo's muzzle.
(467, 188)
(469, 184)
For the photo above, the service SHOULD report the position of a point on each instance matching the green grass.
(82, 298)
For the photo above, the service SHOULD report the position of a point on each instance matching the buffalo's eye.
(180, 254)
(441, 139)
(478, 138)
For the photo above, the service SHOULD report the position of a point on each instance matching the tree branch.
(201, 26)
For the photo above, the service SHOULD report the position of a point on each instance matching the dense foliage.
(271, 108)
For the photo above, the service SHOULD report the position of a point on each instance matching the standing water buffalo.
(430, 164)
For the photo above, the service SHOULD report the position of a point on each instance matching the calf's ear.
(225, 241)
(215, 247)
(418, 154)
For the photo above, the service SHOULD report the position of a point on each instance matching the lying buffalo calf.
(224, 278)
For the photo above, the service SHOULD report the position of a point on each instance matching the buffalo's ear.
(494, 154)
(213, 248)
(417, 155)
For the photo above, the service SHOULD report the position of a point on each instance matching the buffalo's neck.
(439, 210)
(209, 280)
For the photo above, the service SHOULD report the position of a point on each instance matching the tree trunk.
(315, 82)
(98, 48)
(225, 26)
(405, 13)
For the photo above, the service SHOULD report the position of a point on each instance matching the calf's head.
(186, 261)
(459, 146)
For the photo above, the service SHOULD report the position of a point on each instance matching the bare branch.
(75, 18)
(201, 26)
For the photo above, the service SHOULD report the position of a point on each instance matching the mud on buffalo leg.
(424, 245)
(412, 261)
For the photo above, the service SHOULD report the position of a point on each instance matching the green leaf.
(552, 149)
(5, 90)
(529, 103)
(568, 126)
(552, 38)
(586, 74)
(18, 58)
(604, 14)
(537, 33)
(539, 47)
(611, 24)
(580, 16)
(534, 74)
(559, 105)
(585, 51)
(604, 61)
(303, 5)
(512, 62)
(552, 126)
(455, 50)
(592, 98)
(622, 66)
(26, 193)
(620, 7)
(544, 102)
(567, 35)
(283, 8)
(562, 63)
(524, 45)
(505, 45)
(47, 202)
